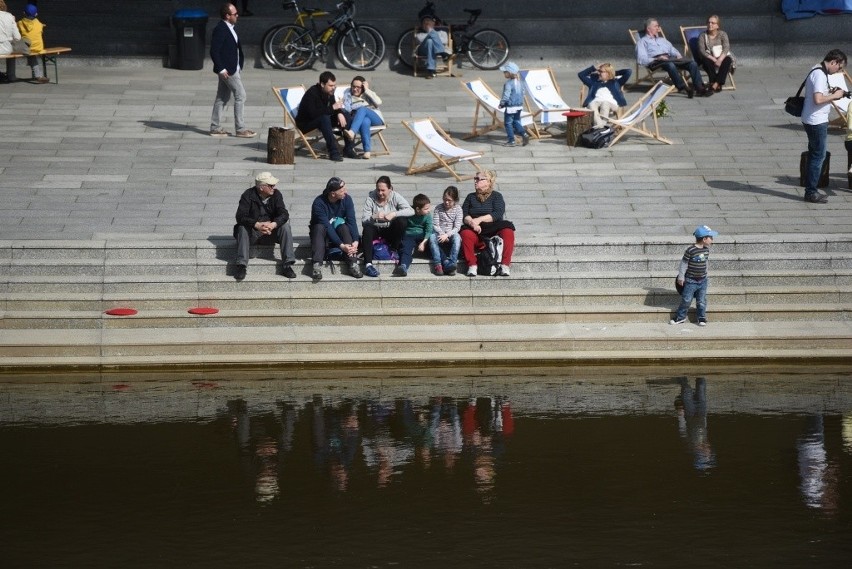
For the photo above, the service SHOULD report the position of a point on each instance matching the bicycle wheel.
(405, 48)
(488, 49)
(265, 43)
(291, 47)
(362, 48)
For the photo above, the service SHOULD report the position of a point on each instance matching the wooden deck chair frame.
(375, 131)
(840, 107)
(487, 106)
(650, 75)
(645, 108)
(442, 160)
(690, 33)
(443, 69)
(308, 138)
(547, 113)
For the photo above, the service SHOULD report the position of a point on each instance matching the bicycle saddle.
(473, 12)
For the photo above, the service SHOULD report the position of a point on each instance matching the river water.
(578, 467)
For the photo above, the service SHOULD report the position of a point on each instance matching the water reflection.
(557, 469)
(691, 406)
(385, 437)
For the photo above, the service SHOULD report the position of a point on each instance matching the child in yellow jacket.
(31, 28)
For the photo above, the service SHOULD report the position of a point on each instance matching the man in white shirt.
(818, 98)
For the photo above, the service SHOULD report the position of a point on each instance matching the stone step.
(410, 344)
(520, 265)
(563, 248)
(414, 315)
(262, 279)
(456, 298)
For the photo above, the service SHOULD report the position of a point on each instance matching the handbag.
(795, 105)
(21, 46)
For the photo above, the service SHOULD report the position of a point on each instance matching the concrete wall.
(536, 28)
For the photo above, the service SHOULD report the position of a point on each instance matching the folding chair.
(635, 117)
(690, 49)
(444, 68)
(431, 136)
(488, 102)
(650, 75)
(374, 130)
(542, 94)
(290, 98)
(840, 106)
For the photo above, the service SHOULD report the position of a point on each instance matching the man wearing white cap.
(262, 217)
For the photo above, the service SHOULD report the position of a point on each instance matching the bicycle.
(486, 48)
(296, 46)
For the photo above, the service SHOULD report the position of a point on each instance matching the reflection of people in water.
(336, 439)
(258, 448)
(817, 475)
(445, 427)
(486, 422)
(691, 407)
(382, 452)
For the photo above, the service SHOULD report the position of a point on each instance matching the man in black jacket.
(262, 217)
(319, 109)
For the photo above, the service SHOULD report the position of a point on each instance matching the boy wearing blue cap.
(692, 276)
(512, 102)
(31, 28)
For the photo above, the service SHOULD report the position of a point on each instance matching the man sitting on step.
(262, 218)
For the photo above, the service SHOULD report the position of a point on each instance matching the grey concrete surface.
(123, 153)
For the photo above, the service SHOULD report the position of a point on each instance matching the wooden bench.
(49, 56)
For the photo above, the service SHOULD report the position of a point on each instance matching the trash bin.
(190, 25)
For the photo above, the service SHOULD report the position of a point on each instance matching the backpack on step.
(488, 259)
(597, 137)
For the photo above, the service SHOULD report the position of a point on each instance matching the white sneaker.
(366, 156)
(681, 321)
(850, 169)
(504, 271)
(471, 271)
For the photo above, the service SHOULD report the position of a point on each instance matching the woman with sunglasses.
(362, 103)
(484, 211)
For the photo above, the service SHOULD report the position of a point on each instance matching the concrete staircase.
(591, 299)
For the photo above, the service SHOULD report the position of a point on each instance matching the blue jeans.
(429, 48)
(672, 70)
(438, 250)
(697, 290)
(817, 139)
(406, 250)
(362, 120)
(512, 121)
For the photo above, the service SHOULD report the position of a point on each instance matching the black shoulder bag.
(795, 105)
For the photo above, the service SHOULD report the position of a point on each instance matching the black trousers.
(392, 234)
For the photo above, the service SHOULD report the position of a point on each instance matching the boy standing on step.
(692, 276)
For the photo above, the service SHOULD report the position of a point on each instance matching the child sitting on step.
(416, 234)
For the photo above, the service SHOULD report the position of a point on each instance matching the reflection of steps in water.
(127, 399)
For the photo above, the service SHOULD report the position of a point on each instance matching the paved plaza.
(123, 152)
